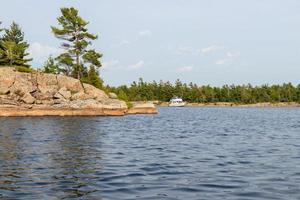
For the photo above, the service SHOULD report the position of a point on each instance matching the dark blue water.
(181, 153)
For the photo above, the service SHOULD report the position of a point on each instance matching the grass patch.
(73, 91)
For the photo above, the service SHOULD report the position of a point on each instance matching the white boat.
(176, 102)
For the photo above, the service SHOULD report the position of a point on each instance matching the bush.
(24, 69)
(129, 104)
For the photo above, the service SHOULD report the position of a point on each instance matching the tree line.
(244, 94)
(78, 59)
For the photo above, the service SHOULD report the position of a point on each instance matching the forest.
(193, 93)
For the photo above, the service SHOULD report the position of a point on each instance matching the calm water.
(181, 153)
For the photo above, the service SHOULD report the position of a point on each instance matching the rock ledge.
(39, 94)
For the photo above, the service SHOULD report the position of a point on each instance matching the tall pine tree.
(74, 33)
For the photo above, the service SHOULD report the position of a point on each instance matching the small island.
(41, 94)
(67, 85)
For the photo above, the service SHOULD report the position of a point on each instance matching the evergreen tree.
(65, 64)
(9, 53)
(50, 66)
(122, 95)
(93, 78)
(76, 39)
(92, 57)
(14, 33)
(13, 47)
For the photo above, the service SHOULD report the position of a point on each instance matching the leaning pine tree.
(76, 39)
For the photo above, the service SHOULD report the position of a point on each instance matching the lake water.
(180, 153)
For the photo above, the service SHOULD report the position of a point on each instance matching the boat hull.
(176, 104)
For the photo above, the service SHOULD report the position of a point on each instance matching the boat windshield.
(176, 100)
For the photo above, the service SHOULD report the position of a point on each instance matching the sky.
(213, 42)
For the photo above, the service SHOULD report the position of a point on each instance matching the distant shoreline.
(232, 104)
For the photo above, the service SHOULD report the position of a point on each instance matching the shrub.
(24, 69)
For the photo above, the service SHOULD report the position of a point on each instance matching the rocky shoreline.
(39, 94)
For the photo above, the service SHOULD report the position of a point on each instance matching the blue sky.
(212, 42)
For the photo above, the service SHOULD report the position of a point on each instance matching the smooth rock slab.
(26, 112)
(142, 108)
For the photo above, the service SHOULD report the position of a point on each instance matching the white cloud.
(120, 43)
(124, 42)
(230, 57)
(110, 64)
(233, 54)
(183, 50)
(145, 33)
(40, 52)
(222, 61)
(116, 65)
(211, 48)
(185, 69)
(137, 65)
(186, 50)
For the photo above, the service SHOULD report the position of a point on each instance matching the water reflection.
(12, 169)
(58, 158)
(78, 157)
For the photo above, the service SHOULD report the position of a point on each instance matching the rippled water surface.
(181, 153)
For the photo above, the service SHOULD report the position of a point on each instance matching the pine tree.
(92, 57)
(13, 47)
(122, 95)
(14, 34)
(76, 39)
(50, 66)
(9, 53)
(65, 63)
(93, 78)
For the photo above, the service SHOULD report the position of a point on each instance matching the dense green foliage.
(13, 47)
(93, 77)
(246, 94)
(24, 69)
(76, 39)
(50, 66)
